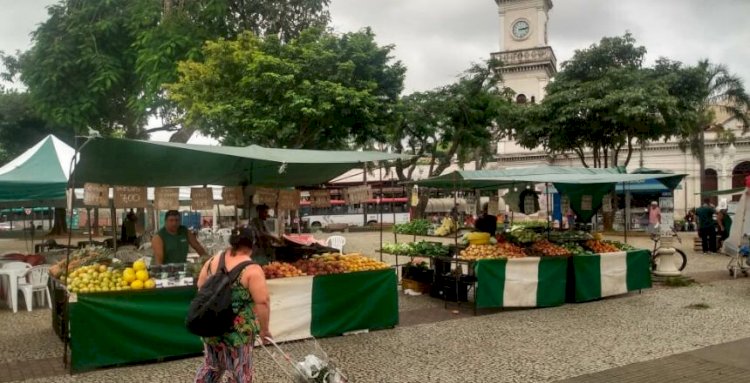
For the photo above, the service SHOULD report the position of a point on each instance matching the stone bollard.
(667, 266)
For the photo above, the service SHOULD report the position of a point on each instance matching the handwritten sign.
(265, 196)
(96, 195)
(529, 204)
(130, 197)
(289, 199)
(232, 196)
(201, 198)
(320, 198)
(586, 203)
(358, 194)
(493, 208)
(607, 204)
(167, 198)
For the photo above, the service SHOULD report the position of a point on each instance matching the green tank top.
(175, 245)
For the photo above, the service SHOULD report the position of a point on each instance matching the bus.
(341, 213)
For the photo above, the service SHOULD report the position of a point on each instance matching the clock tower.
(528, 62)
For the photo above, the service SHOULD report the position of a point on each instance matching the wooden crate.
(421, 287)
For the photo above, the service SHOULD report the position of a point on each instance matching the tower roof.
(548, 3)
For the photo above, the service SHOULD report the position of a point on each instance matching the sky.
(438, 39)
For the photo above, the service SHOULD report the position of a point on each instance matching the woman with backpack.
(232, 352)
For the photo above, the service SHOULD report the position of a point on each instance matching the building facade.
(529, 64)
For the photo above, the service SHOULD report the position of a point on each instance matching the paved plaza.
(666, 334)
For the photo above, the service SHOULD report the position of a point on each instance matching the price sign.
(320, 198)
(265, 196)
(96, 195)
(528, 204)
(201, 198)
(232, 196)
(494, 206)
(167, 198)
(289, 199)
(130, 197)
(586, 202)
(358, 194)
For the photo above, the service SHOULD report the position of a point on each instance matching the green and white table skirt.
(108, 329)
(593, 277)
(521, 282)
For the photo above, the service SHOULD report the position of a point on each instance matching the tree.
(102, 63)
(454, 122)
(320, 90)
(602, 100)
(713, 88)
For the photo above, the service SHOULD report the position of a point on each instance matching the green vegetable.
(415, 227)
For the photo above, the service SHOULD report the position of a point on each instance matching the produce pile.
(102, 278)
(446, 227)
(621, 246)
(413, 249)
(524, 236)
(490, 251)
(414, 227)
(549, 249)
(569, 236)
(324, 264)
(81, 257)
(573, 248)
(600, 246)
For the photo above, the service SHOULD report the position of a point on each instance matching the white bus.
(341, 213)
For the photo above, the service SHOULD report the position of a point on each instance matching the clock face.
(521, 29)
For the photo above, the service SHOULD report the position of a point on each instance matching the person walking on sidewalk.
(707, 226)
(725, 225)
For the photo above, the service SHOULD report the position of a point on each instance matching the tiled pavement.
(723, 363)
(31, 369)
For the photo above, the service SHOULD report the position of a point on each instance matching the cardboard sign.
(289, 199)
(606, 204)
(167, 198)
(232, 196)
(358, 194)
(586, 203)
(96, 195)
(265, 196)
(529, 205)
(320, 198)
(201, 198)
(494, 206)
(130, 197)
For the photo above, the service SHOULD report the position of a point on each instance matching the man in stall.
(170, 244)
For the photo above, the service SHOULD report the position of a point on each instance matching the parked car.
(4, 226)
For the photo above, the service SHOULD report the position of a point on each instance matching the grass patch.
(679, 281)
(698, 306)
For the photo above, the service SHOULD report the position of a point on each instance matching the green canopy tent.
(575, 182)
(38, 177)
(146, 163)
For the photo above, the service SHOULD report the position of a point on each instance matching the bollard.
(667, 261)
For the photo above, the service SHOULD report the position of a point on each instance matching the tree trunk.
(702, 160)
(60, 226)
(630, 152)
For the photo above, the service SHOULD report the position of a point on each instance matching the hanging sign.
(232, 196)
(358, 194)
(320, 198)
(265, 196)
(586, 203)
(201, 198)
(289, 199)
(130, 197)
(493, 208)
(529, 205)
(607, 204)
(96, 195)
(167, 198)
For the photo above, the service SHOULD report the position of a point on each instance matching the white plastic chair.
(337, 242)
(11, 288)
(36, 282)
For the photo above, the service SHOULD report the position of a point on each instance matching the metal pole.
(364, 204)
(88, 219)
(380, 209)
(546, 191)
(627, 202)
(113, 210)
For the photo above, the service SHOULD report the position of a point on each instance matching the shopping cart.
(740, 263)
(304, 362)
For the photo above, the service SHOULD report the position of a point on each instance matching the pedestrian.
(690, 220)
(654, 217)
(725, 225)
(486, 223)
(232, 352)
(571, 218)
(707, 226)
(264, 241)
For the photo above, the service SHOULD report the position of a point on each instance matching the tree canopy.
(320, 90)
(604, 100)
(102, 63)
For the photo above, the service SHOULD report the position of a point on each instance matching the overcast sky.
(437, 39)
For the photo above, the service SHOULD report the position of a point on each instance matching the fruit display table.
(123, 327)
(592, 277)
(521, 282)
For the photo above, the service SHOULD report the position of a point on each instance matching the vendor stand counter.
(124, 327)
(592, 277)
(521, 282)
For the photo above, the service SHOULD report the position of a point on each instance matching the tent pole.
(380, 210)
(88, 220)
(364, 203)
(113, 209)
(455, 206)
(546, 191)
(627, 202)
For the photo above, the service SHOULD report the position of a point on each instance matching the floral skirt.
(220, 359)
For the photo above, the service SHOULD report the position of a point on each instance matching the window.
(521, 99)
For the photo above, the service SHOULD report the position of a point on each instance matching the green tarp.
(522, 282)
(592, 277)
(38, 176)
(148, 163)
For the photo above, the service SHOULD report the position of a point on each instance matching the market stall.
(534, 264)
(341, 293)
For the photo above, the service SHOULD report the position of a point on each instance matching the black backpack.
(210, 313)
